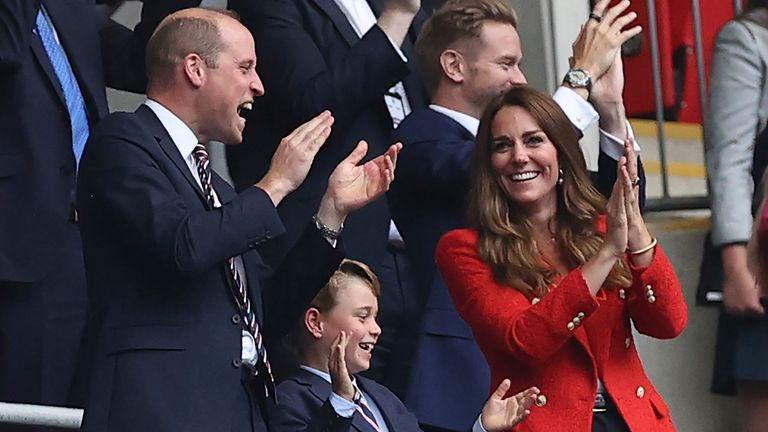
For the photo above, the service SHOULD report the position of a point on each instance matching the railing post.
(658, 99)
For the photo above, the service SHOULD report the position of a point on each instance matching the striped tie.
(367, 414)
(203, 165)
(78, 119)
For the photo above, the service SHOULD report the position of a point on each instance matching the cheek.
(499, 161)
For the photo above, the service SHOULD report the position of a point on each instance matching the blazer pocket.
(659, 407)
(10, 164)
(445, 322)
(150, 337)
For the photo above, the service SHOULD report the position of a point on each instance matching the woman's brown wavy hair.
(504, 235)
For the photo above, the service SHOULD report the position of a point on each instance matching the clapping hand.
(341, 382)
(351, 185)
(600, 39)
(502, 413)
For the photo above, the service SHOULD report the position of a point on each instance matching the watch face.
(577, 78)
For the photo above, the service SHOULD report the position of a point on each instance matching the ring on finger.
(595, 17)
(636, 182)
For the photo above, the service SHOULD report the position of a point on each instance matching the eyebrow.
(502, 138)
(365, 309)
(247, 63)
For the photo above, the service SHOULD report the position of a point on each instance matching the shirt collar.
(182, 136)
(470, 123)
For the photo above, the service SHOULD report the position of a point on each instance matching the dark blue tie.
(78, 118)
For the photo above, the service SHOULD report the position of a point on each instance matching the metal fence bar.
(658, 99)
(737, 6)
(40, 415)
(699, 53)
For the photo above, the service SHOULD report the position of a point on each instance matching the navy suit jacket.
(310, 60)
(427, 200)
(166, 328)
(37, 166)
(305, 406)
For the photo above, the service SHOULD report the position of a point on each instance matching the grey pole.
(699, 52)
(40, 415)
(656, 69)
(737, 6)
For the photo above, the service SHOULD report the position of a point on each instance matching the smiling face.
(524, 160)
(494, 66)
(355, 313)
(231, 86)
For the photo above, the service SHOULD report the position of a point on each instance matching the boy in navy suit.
(337, 335)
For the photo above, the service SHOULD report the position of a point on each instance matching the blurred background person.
(335, 341)
(55, 60)
(551, 277)
(735, 152)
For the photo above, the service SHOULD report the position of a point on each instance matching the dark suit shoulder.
(426, 124)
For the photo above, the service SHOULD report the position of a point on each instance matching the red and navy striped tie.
(203, 170)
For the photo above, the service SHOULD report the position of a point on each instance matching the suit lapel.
(169, 148)
(381, 401)
(339, 20)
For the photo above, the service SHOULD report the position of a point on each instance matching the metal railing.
(40, 415)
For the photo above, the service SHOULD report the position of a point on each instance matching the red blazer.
(564, 342)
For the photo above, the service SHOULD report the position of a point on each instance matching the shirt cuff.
(343, 407)
(478, 426)
(613, 146)
(579, 112)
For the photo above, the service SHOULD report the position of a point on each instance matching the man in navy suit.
(335, 340)
(55, 59)
(355, 58)
(181, 301)
(469, 51)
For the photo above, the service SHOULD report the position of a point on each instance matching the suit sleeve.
(502, 317)
(301, 81)
(300, 275)
(123, 50)
(730, 128)
(296, 415)
(655, 302)
(436, 166)
(147, 213)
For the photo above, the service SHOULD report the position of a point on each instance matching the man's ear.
(313, 322)
(194, 69)
(453, 65)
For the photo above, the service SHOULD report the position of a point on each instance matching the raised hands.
(502, 413)
(294, 156)
(600, 39)
(625, 221)
(341, 381)
(351, 186)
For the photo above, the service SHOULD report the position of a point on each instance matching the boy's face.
(355, 312)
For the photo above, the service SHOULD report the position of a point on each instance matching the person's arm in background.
(310, 83)
(730, 129)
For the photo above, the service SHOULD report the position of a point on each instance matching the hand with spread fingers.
(600, 39)
(294, 156)
(501, 413)
(352, 186)
(341, 381)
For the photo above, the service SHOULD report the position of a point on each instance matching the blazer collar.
(322, 390)
(169, 148)
(339, 20)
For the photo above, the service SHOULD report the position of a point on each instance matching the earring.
(560, 178)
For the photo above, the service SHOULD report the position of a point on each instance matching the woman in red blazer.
(551, 275)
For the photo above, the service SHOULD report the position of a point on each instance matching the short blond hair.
(327, 298)
(456, 22)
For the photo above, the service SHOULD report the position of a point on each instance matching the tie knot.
(200, 153)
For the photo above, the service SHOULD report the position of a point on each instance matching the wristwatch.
(578, 78)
